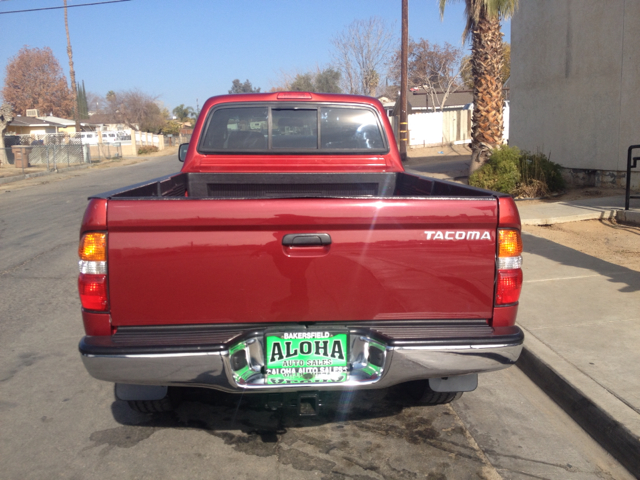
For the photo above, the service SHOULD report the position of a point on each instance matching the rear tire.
(421, 393)
(440, 398)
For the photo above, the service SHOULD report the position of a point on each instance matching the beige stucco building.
(575, 84)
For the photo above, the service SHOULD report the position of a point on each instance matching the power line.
(57, 8)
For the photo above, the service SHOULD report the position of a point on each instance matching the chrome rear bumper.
(412, 352)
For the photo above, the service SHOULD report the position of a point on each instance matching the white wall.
(425, 128)
(575, 80)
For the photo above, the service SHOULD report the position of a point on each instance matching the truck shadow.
(217, 412)
(356, 430)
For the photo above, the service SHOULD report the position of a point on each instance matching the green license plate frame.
(307, 357)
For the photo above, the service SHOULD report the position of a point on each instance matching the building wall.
(70, 130)
(575, 80)
(39, 130)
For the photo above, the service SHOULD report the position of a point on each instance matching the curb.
(26, 176)
(631, 217)
(628, 216)
(597, 215)
(610, 433)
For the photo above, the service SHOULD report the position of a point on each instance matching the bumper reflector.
(509, 263)
(94, 268)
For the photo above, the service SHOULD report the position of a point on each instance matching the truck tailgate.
(186, 261)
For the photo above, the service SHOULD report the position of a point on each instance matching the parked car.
(89, 138)
(294, 255)
(110, 137)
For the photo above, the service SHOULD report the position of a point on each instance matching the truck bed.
(293, 185)
(225, 247)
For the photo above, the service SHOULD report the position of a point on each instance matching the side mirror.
(182, 151)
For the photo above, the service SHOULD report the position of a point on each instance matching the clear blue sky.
(183, 50)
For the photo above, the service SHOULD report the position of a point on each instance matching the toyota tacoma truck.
(293, 255)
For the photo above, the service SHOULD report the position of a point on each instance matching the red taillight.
(509, 286)
(508, 263)
(92, 281)
(93, 291)
(509, 281)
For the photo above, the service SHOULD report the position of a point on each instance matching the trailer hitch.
(305, 404)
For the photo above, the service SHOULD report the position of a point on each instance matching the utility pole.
(72, 73)
(404, 124)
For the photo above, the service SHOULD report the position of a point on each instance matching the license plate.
(306, 357)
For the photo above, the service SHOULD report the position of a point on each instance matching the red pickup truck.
(293, 255)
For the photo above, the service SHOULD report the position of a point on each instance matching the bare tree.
(95, 102)
(136, 109)
(434, 67)
(361, 52)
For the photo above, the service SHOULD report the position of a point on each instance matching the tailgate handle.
(306, 239)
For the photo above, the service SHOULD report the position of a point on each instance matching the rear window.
(297, 128)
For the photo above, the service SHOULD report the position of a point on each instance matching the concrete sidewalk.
(549, 213)
(581, 317)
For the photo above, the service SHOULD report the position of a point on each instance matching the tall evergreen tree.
(83, 106)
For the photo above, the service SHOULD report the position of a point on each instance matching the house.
(31, 126)
(37, 125)
(67, 126)
(422, 100)
(575, 90)
(105, 122)
(429, 126)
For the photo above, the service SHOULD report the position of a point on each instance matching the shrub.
(519, 173)
(501, 172)
(145, 149)
(537, 169)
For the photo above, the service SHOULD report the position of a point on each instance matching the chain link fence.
(170, 140)
(51, 157)
(39, 139)
(106, 151)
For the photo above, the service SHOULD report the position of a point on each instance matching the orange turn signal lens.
(93, 247)
(509, 243)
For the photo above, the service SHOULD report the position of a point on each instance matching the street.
(58, 422)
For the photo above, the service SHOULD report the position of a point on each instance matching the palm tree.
(483, 29)
(183, 113)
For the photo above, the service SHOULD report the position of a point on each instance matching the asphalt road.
(57, 422)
